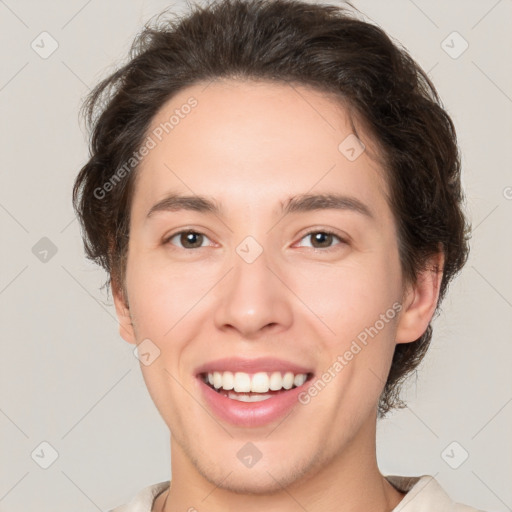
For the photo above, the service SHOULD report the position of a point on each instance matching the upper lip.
(263, 364)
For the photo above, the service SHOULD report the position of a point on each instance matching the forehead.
(252, 141)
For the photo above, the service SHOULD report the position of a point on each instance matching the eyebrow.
(176, 202)
(301, 203)
(311, 202)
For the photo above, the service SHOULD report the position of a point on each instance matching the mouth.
(252, 392)
(253, 387)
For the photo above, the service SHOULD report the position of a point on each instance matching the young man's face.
(254, 284)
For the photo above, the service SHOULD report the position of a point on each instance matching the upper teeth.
(260, 382)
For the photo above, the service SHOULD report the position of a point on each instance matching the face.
(253, 281)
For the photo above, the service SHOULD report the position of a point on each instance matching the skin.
(251, 145)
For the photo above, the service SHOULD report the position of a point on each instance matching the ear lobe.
(420, 301)
(126, 329)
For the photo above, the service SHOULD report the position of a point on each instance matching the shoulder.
(144, 499)
(424, 494)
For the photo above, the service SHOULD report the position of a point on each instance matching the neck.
(349, 481)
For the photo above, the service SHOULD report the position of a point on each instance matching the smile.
(256, 387)
(251, 393)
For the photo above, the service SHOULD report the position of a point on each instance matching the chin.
(266, 477)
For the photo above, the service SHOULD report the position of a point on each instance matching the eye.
(322, 239)
(189, 239)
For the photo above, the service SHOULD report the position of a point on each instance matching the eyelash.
(309, 233)
(328, 233)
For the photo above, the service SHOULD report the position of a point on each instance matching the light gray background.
(66, 376)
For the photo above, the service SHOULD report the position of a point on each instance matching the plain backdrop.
(71, 392)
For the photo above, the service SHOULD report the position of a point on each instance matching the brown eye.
(322, 239)
(188, 239)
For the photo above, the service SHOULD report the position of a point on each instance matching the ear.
(126, 329)
(420, 301)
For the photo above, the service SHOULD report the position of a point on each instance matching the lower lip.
(251, 414)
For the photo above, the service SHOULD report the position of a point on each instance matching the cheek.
(351, 297)
(359, 304)
(161, 295)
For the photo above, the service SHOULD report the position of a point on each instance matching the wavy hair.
(322, 46)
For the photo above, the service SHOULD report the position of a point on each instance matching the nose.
(254, 299)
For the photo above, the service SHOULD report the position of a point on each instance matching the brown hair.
(319, 45)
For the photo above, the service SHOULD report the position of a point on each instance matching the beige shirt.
(424, 494)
